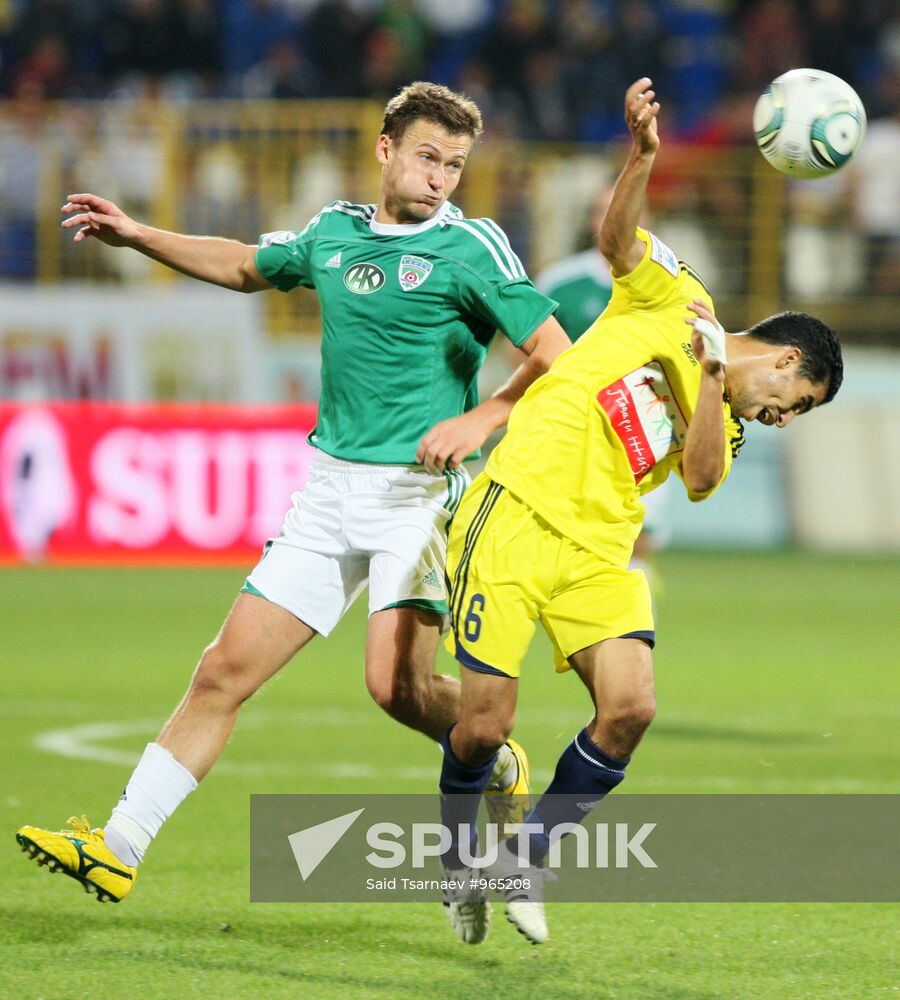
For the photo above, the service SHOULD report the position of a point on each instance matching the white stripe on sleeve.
(490, 244)
(503, 240)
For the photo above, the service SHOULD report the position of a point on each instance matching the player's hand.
(93, 216)
(640, 115)
(708, 339)
(448, 443)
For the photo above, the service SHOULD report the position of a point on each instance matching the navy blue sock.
(461, 789)
(584, 770)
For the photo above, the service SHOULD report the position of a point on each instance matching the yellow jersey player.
(545, 534)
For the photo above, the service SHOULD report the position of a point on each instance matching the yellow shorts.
(508, 568)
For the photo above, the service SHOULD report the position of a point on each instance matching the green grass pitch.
(776, 673)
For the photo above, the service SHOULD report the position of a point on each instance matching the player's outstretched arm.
(703, 463)
(219, 261)
(448, 443)
(617, 240)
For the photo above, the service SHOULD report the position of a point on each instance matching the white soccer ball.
(809, 123)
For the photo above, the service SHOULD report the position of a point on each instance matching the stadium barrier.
(183, 341)
(101, 483)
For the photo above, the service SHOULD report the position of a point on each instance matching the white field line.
(81, 742)
(85, 742)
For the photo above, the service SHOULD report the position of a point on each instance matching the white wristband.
(713, 340)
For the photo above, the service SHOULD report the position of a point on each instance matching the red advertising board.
(95, 482)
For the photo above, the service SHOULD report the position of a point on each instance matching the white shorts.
(356, 523)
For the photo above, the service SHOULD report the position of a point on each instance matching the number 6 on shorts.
(472, 624)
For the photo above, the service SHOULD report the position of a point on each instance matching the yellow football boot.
(511, 803)
(82, 854)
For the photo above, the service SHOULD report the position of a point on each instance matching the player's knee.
(223, 675)
(382, 691)
(488, 733)
(643, 714)
(404, 701)
(633, 716)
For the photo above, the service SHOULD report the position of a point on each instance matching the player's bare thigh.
(256, 640)
(401, 645)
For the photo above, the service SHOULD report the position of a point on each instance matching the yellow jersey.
(607, 423)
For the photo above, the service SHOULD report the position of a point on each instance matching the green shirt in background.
(408, 312)
(582, 285)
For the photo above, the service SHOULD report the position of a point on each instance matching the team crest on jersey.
(646, 416)
(363, 279)
(413, 272)
(663, 255)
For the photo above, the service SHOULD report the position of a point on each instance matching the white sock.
(506, 770)
(156, 788)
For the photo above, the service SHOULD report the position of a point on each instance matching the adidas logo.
(334, 261)
(432, 580)
(587, 807)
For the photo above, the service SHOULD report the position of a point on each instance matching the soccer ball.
(809, 123)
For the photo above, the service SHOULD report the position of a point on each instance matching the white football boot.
(466, 904)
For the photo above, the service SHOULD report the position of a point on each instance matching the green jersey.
(408, 312)
(582, 285)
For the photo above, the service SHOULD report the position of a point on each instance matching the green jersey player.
(411, 294)
(408, 311)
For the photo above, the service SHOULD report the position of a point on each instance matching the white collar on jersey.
(396, 229)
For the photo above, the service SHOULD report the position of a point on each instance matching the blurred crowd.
(541, 69)
(548, 70)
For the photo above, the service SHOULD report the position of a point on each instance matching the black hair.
(818, 343)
